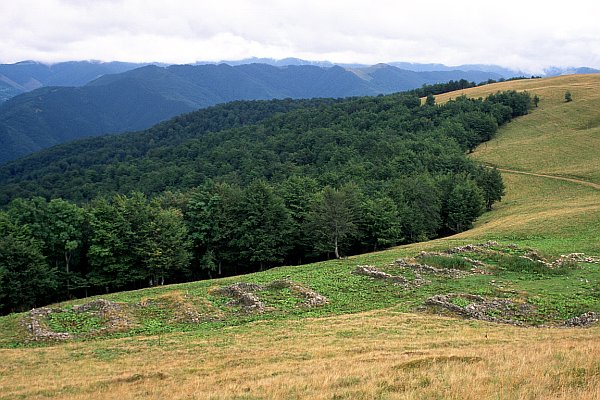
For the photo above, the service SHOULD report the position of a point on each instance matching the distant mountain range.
(52, 104)
(29, 75)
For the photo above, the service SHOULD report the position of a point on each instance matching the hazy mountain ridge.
(25, 76)
(139, 98)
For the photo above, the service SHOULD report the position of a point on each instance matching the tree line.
(54, 250)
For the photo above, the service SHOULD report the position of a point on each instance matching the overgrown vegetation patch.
(177, 308)
(252, 298)
(93, 318)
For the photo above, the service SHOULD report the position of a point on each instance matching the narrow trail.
(560, 178)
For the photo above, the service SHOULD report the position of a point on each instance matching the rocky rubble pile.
(311, 298)
(563, 260)
(428, 269)
(245, 295)
(478, 307)
(576, 257)
(111, 313)
(372, 272)
(471, 248)
(583, 320)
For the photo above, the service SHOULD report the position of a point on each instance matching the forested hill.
(271, 140)
(64, 167)
(242, 187)
(140, 98)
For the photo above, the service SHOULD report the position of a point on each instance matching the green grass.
(557, 138)
(72, 322)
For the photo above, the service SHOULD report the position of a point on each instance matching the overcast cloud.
(528, 35)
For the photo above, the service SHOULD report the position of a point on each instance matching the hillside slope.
(558, 139)
(368, 343)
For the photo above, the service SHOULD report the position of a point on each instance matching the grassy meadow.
(375, 340)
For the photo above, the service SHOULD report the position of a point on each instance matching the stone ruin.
(501, 310)
(428, 269)
(372, 272)
(493, 310)
(582, 321)
(311, 298)
(111, 313)
(471, 248)
(244, 295)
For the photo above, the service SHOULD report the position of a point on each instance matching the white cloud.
(529, 35)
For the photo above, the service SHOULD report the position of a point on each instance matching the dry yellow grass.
(375, 355)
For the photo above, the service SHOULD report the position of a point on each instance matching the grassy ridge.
(367, 343)
(558, 138)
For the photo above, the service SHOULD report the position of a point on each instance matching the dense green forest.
(243, 187)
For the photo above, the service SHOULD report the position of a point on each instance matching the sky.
(528, 35)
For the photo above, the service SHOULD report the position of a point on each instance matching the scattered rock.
(311, 298)
(471, 248)
(428, 269)
(372, 272)
(112, 314)
(563, 260)
(478, 307)
(583, 320)
(575, 257)
(244, 295)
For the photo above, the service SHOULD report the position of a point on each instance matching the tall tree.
(58, 226)
(380, 222)
(297, 193)
(166, 245)
(263, 236)
(419, 205)
(490, 182)
(333, 219)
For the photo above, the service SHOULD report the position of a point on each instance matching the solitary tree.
(430, 100)
(568, 96)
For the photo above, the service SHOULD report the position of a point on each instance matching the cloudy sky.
(525, 34)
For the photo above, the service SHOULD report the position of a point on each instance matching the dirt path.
(586, 183)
